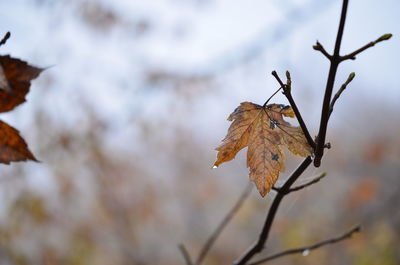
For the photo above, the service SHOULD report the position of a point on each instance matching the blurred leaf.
(29, 207)
(264, 131)
(13, 148)
(15, 80)
(363, 192)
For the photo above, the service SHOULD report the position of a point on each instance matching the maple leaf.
(264, 131)
(15, 78)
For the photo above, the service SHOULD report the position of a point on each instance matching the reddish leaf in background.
(15, 80)
(12, 146)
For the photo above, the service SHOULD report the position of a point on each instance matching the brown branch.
(5, 38)
(352, 56)
(209, 243)
(335, 60)
(307, 249)
(340, 91)
(287, 92)
(185, 254)
(259, 244)
(300, 187)
(318, 47)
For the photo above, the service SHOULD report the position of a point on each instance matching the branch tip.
(351, 77)
(288, 75)
(384, 37)
(5, 38)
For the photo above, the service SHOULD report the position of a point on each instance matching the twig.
(185, 254)
(287, 92)
(340, 91)
(259, 244)
(335, 60)
(209, 243)
(352, 56)
(5, 38)
(309, 248)
(318, 47)
(300, 187)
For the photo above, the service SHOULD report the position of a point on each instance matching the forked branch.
(300, 187)
(335, 60)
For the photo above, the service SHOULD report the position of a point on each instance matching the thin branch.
(307, 249)
(287, 92)
(340, 91)
(318, 47)
(259, 244)
(300, 187)
(5, 38)
(352, 56)
(185, 254)
(335, 60)
(209, 243)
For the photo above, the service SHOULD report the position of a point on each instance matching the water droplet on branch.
(306, 252)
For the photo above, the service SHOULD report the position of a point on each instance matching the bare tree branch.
(340, 91)
(259, 244)
(185, 254)
(335, 60)
(287, 92)
(352, 56)
(307, 249)
(210, 242)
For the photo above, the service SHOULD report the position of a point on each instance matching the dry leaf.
(264, 132)
(12, 146)
(15, 79)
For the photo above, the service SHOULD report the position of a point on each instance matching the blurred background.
(126, 118)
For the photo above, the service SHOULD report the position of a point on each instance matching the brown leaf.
(264, 132)
(12, 146)
(15, 80)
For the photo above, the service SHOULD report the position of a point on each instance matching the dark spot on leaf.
(273, 123)
(275, 157)
(283, 107)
